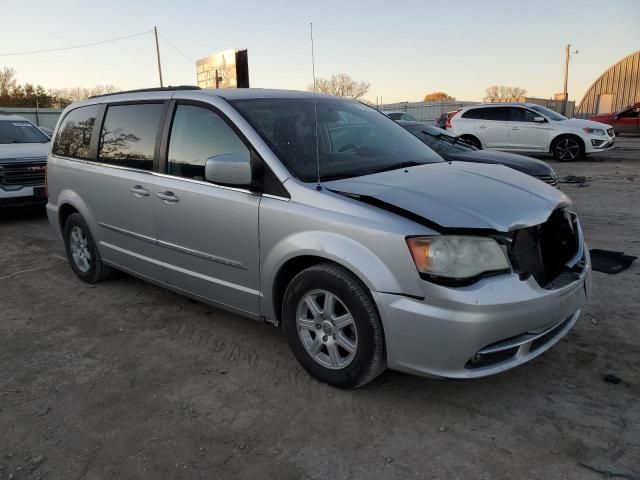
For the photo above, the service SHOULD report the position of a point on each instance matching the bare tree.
(7, 81)
(341, 85)
(503, 93)
(80, 93)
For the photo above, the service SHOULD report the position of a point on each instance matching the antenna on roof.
(315, 108)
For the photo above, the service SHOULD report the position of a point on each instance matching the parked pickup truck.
(23, 159)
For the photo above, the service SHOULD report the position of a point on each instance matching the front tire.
(82, 252)
(567, 148)
(333, 327)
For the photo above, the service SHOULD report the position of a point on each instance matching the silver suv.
(325, 216)
(23, 157)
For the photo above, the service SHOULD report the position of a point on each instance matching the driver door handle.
(482, 126)
(168, 197)
(515, 128)
(139, 191)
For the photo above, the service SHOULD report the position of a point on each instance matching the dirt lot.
(126, 380)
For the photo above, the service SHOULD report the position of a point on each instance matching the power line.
(189, 59)
(32, 52)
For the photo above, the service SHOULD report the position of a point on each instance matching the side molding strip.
(178, 248)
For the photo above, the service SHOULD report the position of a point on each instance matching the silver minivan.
(325, 216)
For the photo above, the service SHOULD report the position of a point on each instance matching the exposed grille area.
(542, 251)
(23, 174)
(551, 180)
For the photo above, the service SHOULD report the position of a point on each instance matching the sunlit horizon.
(404, 52)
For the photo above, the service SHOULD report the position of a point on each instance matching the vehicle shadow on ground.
(19, 214)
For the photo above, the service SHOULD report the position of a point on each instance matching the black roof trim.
(156, 89)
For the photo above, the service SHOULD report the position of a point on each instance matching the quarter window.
(128, 136)
(74, 135)
(474, 113)
(196, 134)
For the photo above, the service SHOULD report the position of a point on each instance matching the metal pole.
(566, 79)
(155, 32)
(37, 113)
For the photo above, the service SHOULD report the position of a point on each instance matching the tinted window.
(128, 135)
(197, 134)
(497, 113)
(522, 115)
(550, 114)
(632, 113)
(474, 113)
(20, 131)
(353, 139)
(74, 135)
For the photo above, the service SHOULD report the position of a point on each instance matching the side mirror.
(539, 119)
(228, 169)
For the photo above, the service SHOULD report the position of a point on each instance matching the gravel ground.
(126, 380)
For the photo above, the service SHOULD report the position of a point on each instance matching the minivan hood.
(23, 151)
(459, 195)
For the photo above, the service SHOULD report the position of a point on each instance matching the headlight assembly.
(457, 257)
(594, 131)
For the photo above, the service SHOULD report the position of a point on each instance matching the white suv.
(526, 127)
(23, 158)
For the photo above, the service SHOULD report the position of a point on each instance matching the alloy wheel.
(567, 149)
(327, 329)
(78, 244)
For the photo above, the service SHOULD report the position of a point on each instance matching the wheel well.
(64, 212)
(563, 135)
(290, 269)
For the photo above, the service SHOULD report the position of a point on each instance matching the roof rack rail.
(156, 89)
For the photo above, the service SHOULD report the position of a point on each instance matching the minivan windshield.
(550, 114)
(20, 131)
(352, 139)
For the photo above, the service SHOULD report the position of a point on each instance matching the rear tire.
(82, 252)
(567, 148)
(333, 327)
(472, 140)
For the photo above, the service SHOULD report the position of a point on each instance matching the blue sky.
(403, 48)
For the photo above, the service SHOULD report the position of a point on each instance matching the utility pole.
(155, 31)
(565, 95)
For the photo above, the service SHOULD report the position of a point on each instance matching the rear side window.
(74, 135)
(474, 114)
(128, 135)
(196, 134)
(497, 113)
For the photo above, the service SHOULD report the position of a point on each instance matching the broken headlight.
(457, 257)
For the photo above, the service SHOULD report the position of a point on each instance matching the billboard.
(228, 69)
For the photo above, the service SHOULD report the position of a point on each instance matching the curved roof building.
(616, 88)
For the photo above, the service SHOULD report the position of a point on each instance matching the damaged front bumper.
(482, 329)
